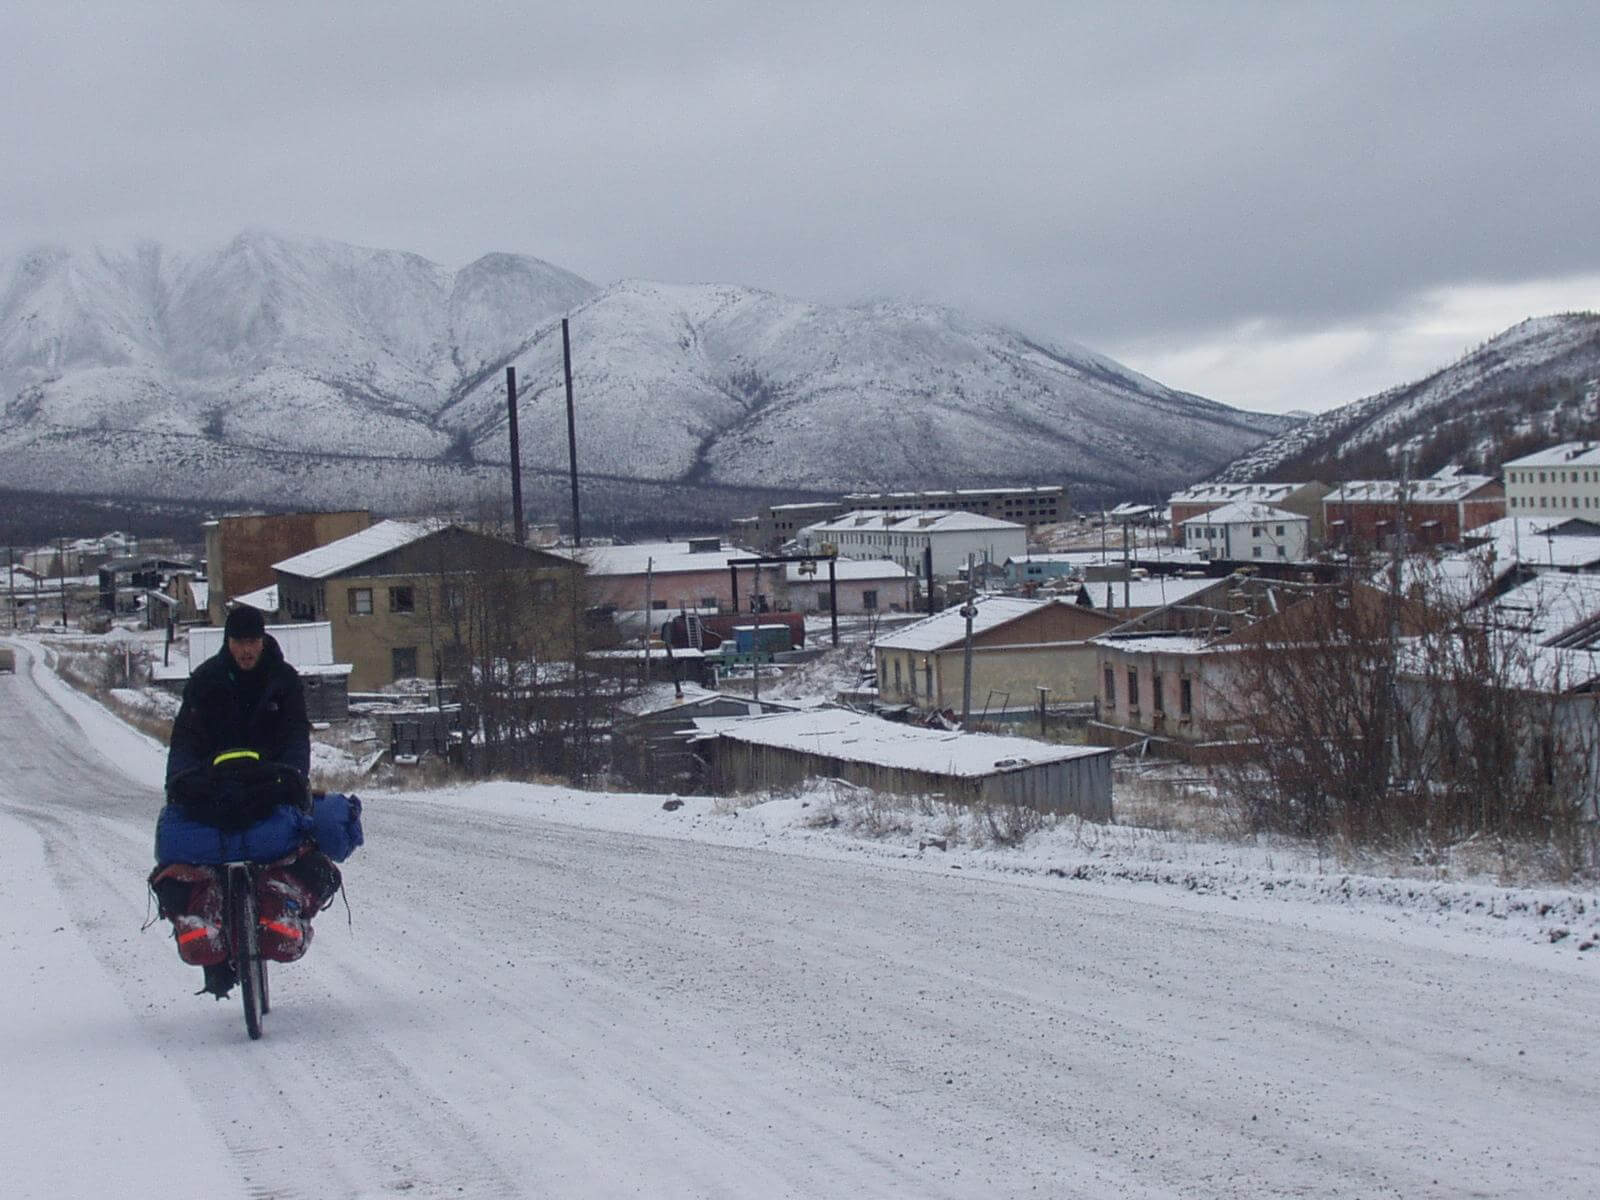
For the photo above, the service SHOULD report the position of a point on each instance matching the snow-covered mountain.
(317, 372)
(1534, 384)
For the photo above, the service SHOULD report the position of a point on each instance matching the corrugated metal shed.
(785, 749)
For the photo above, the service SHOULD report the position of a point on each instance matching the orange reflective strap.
(288, 931)
(184, 938)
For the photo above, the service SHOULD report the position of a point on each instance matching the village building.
(656, 727)
(750, 754)
(1569, 544)
(241, 550)
(775, 525)
(1029, 506)
(1304, 499)
(405, 599)
(1249, 531)
(861, 586)
(1561, 481)
(1367, 514)
(1132, 597)
(680, 576)
(905, 537)
(126, 583)
(1018, 646)
(1171, 679)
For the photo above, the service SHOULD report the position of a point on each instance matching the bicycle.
(252, 787)
(241, 931)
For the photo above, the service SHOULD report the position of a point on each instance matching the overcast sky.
(1277, 205)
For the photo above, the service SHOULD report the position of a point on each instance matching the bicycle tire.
(246, 948)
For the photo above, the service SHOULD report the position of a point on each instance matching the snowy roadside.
(1276, 882)
(64, 1019)
(1537, 925)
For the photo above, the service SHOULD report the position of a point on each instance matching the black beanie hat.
(245, 622)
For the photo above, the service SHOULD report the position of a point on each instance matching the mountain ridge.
(1533, 384)
(272, 346)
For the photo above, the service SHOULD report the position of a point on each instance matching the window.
(1185, 698)
(897, 675)
(1278, 530)
(658, 605)
(1255, 531)
(455, 598)
(404, 661)
(1283, 552)
(360, 602)
(402, 600)
(1111, 688)
(869, 600)
(1255, 551)
(1157, 700)
(824, 600)
(1133, 689)
(709, 602)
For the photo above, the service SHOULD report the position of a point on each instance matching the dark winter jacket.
(225, 708)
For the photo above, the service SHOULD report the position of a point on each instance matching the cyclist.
(242, 719)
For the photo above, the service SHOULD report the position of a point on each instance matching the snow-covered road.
(526, 1006)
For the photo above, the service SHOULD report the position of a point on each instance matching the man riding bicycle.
(241, 748)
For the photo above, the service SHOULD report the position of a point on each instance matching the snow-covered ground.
(548, 992)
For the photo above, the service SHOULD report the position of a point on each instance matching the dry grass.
(1171, 797)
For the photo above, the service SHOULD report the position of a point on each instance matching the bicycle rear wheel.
(252, 971)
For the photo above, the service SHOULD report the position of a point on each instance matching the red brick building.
(1365, 514)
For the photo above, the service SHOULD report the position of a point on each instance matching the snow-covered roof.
(911, 520)
(1567, 454)
(659, 558)
(1541, 541)
(1438, 490)
(948, 627)
(352, 551)
(1244, 512)
(1549, 604)
(856, 737)
(939, 493)
(266, 599)
(1177, 643)
(1224, 493)
(1457, 579)
(848, 569)
(1145, 593)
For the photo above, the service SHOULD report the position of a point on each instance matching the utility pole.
(968, 610)
(572, 434)
(833, 600)
(649, 612)
(61, 574)
(755, 640)
(516, 456)
(1127, 571)
(11, 585)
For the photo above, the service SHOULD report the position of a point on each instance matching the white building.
(1563, 481)
(903, 537)
(1246, 531)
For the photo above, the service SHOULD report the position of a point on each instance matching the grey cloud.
(1095, 172)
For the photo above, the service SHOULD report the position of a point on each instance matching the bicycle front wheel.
(252, 971)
